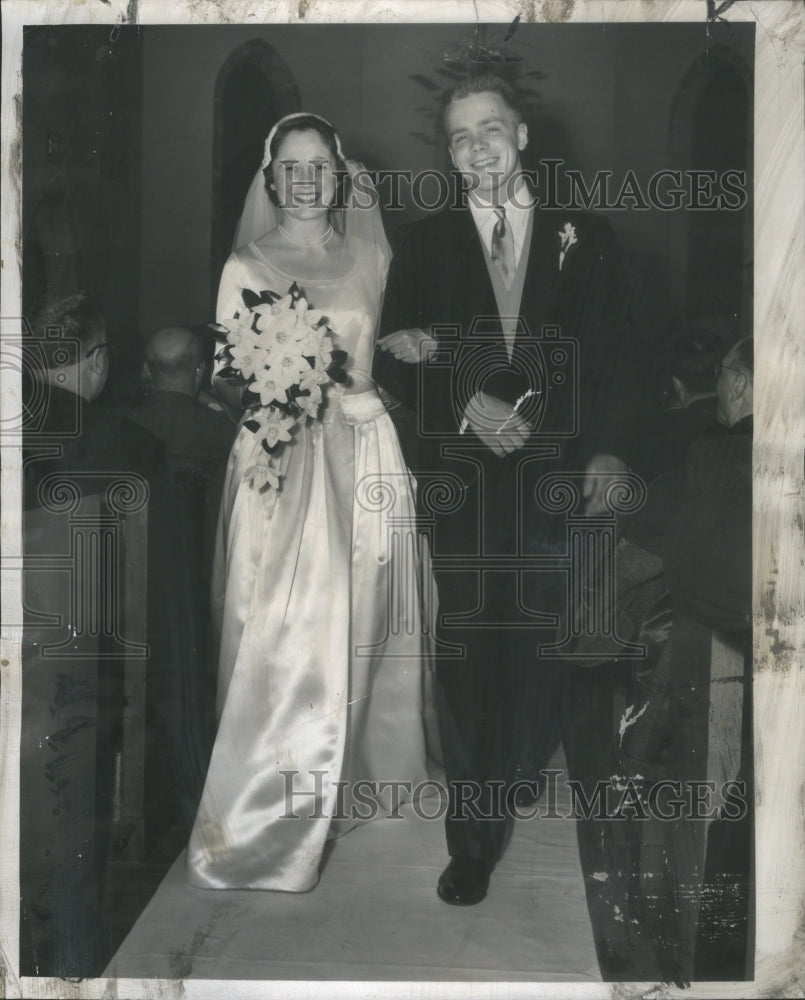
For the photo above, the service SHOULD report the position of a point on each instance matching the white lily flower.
(261, 475)
(274, 426)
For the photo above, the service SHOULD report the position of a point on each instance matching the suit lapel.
(473, 286)
(473, 291)
(541, 273)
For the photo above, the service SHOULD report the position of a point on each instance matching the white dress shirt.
(516, 218)
(485, 220)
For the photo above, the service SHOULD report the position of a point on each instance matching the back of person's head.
(175, 359)
(687, 366)
(692, 358)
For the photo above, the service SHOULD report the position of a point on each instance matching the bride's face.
(304, 175)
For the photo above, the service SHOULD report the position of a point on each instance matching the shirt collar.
(521, 202)
(485, 217)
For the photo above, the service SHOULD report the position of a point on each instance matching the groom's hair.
(309, 123)
(482, 85)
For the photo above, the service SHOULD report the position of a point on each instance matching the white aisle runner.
(375, 915)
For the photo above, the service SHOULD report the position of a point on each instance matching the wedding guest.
(688, 385)
(699, 519)
(197, 439)
(197, 442)
(89, 447)
(73, 350)
(707, 551)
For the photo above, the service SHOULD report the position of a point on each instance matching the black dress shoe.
(464, 881)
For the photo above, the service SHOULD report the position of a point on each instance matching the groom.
(498, 406)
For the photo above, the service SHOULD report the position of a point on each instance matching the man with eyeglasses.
(734, 383)
(65, 428)
(699, 520)
(87, 448)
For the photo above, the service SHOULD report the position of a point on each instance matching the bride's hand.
(411, 346)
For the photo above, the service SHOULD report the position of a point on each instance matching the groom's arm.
(402, 310)
(595, 305)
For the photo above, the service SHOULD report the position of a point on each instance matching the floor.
(375, 916)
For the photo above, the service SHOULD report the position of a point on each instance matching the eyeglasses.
(98, 347)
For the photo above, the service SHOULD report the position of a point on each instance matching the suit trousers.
(504, 707)
(496, 699)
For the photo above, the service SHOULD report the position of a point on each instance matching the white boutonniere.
(567, 238)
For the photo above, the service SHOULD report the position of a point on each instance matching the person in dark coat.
(688, 387)
(197, 439)
(67, 430)
(506, 331)
(197, 442)
(78, 452)
(699, 520)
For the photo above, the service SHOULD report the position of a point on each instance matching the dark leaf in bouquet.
(252, 425)
(270, 448)
(250, 298)
(228, 374)
(251, 398)
(337, 374)
(338, 358)
(287, 408)
(219, 332)
(269, 297)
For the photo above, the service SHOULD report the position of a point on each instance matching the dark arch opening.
(711, 129)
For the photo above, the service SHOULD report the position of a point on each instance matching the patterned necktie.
(503, 247)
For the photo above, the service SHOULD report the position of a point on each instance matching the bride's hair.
(310, 123)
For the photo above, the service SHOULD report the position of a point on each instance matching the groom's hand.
(411, 346)
(496, 424)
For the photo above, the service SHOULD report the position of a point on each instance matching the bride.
(324, 652)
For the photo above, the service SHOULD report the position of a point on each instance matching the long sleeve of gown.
(230, 301)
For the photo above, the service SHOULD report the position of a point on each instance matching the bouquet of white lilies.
(282, 353)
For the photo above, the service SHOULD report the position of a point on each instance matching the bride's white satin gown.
(324, 661)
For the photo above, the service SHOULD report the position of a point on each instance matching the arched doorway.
(711, 129)
(253, 90)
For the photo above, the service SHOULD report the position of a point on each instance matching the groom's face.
(485, 138)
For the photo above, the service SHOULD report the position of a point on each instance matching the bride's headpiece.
(290, 118)
(356, 220)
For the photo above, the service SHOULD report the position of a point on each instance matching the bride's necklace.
(318, 241)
